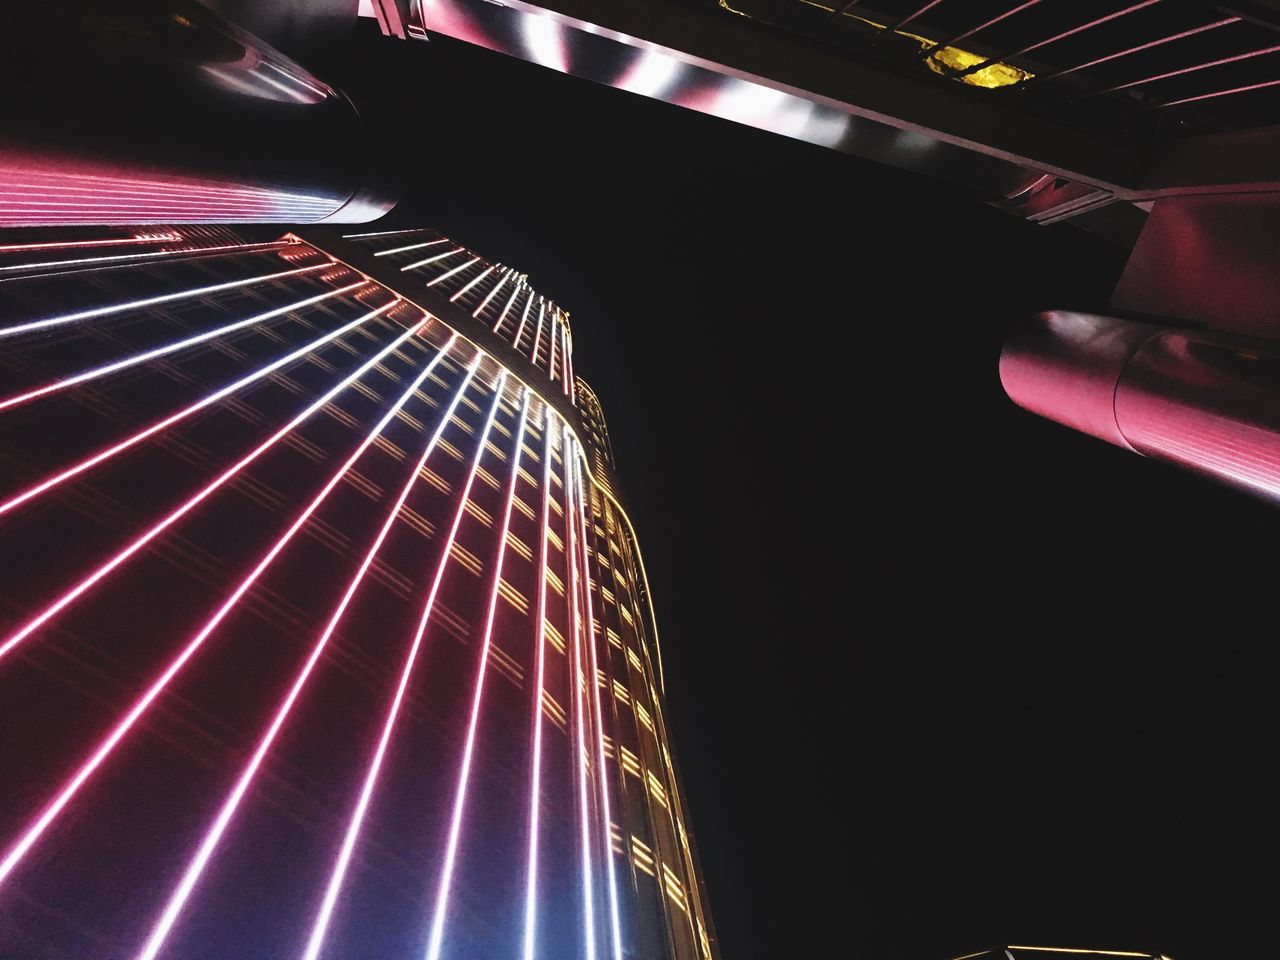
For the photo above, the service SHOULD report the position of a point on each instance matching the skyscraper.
(325, 630)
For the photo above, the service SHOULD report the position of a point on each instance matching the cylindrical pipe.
(158, 111)
(1204, 401)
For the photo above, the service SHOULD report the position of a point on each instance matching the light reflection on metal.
(92, 579)
(343, 861)
(1204, 401)
(200, 860)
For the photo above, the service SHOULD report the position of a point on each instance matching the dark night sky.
(941, 674)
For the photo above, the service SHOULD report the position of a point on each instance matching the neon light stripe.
(195, 868)
(325, 913)
(535, 774)
(537, 338)
(112, 242)
(47, 484)
(95, 372)
(464, 772)
(506, 275)
(584, 797)
(524, 318)
(602, 773)
(439, 256)
(384, 233)
(151, 301)
(412, 246)
(173, 517)
(566, 375)
(185, 251)
(553, 339)
(487, 271)
(510, 300)
(64, 796)
(449, 273)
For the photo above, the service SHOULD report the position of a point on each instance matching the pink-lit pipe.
(178, 116)
(113, 308)
(540, 656)
(436, 938)
(90, 580)
(602, 772)
(1204, 401)
(204, 853)
(325, 914)
(88, 463)
(93, 373)
(122, 727)
(580, 738)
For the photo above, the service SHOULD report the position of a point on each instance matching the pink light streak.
(102, 371)
(90, 580)
(343, 861)
(553, 338)
(44, 486)
(584, 795)
(464, 772)
(68, 791)
(602, 777)
(535, 773)
(185, 251)
(537, 338)
(196, 867)
(105, 311)
(566, 373)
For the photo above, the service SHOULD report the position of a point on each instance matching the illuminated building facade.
(325, 633)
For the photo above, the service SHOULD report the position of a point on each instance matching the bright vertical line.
(120, 446)
(468, 751)
(510, 300)
(537, 337)
(150, 301)
(602, 778)
(479, 277)
(438, 256)
(325, 913)
(506, 275)
(565, 373)
(552, 338)
(173, 517)
(535, 775)
(196, 867)
(449, 273)
(524, 318)
(575, 618)
(412, 246)
(64, 796)
(124, 364)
